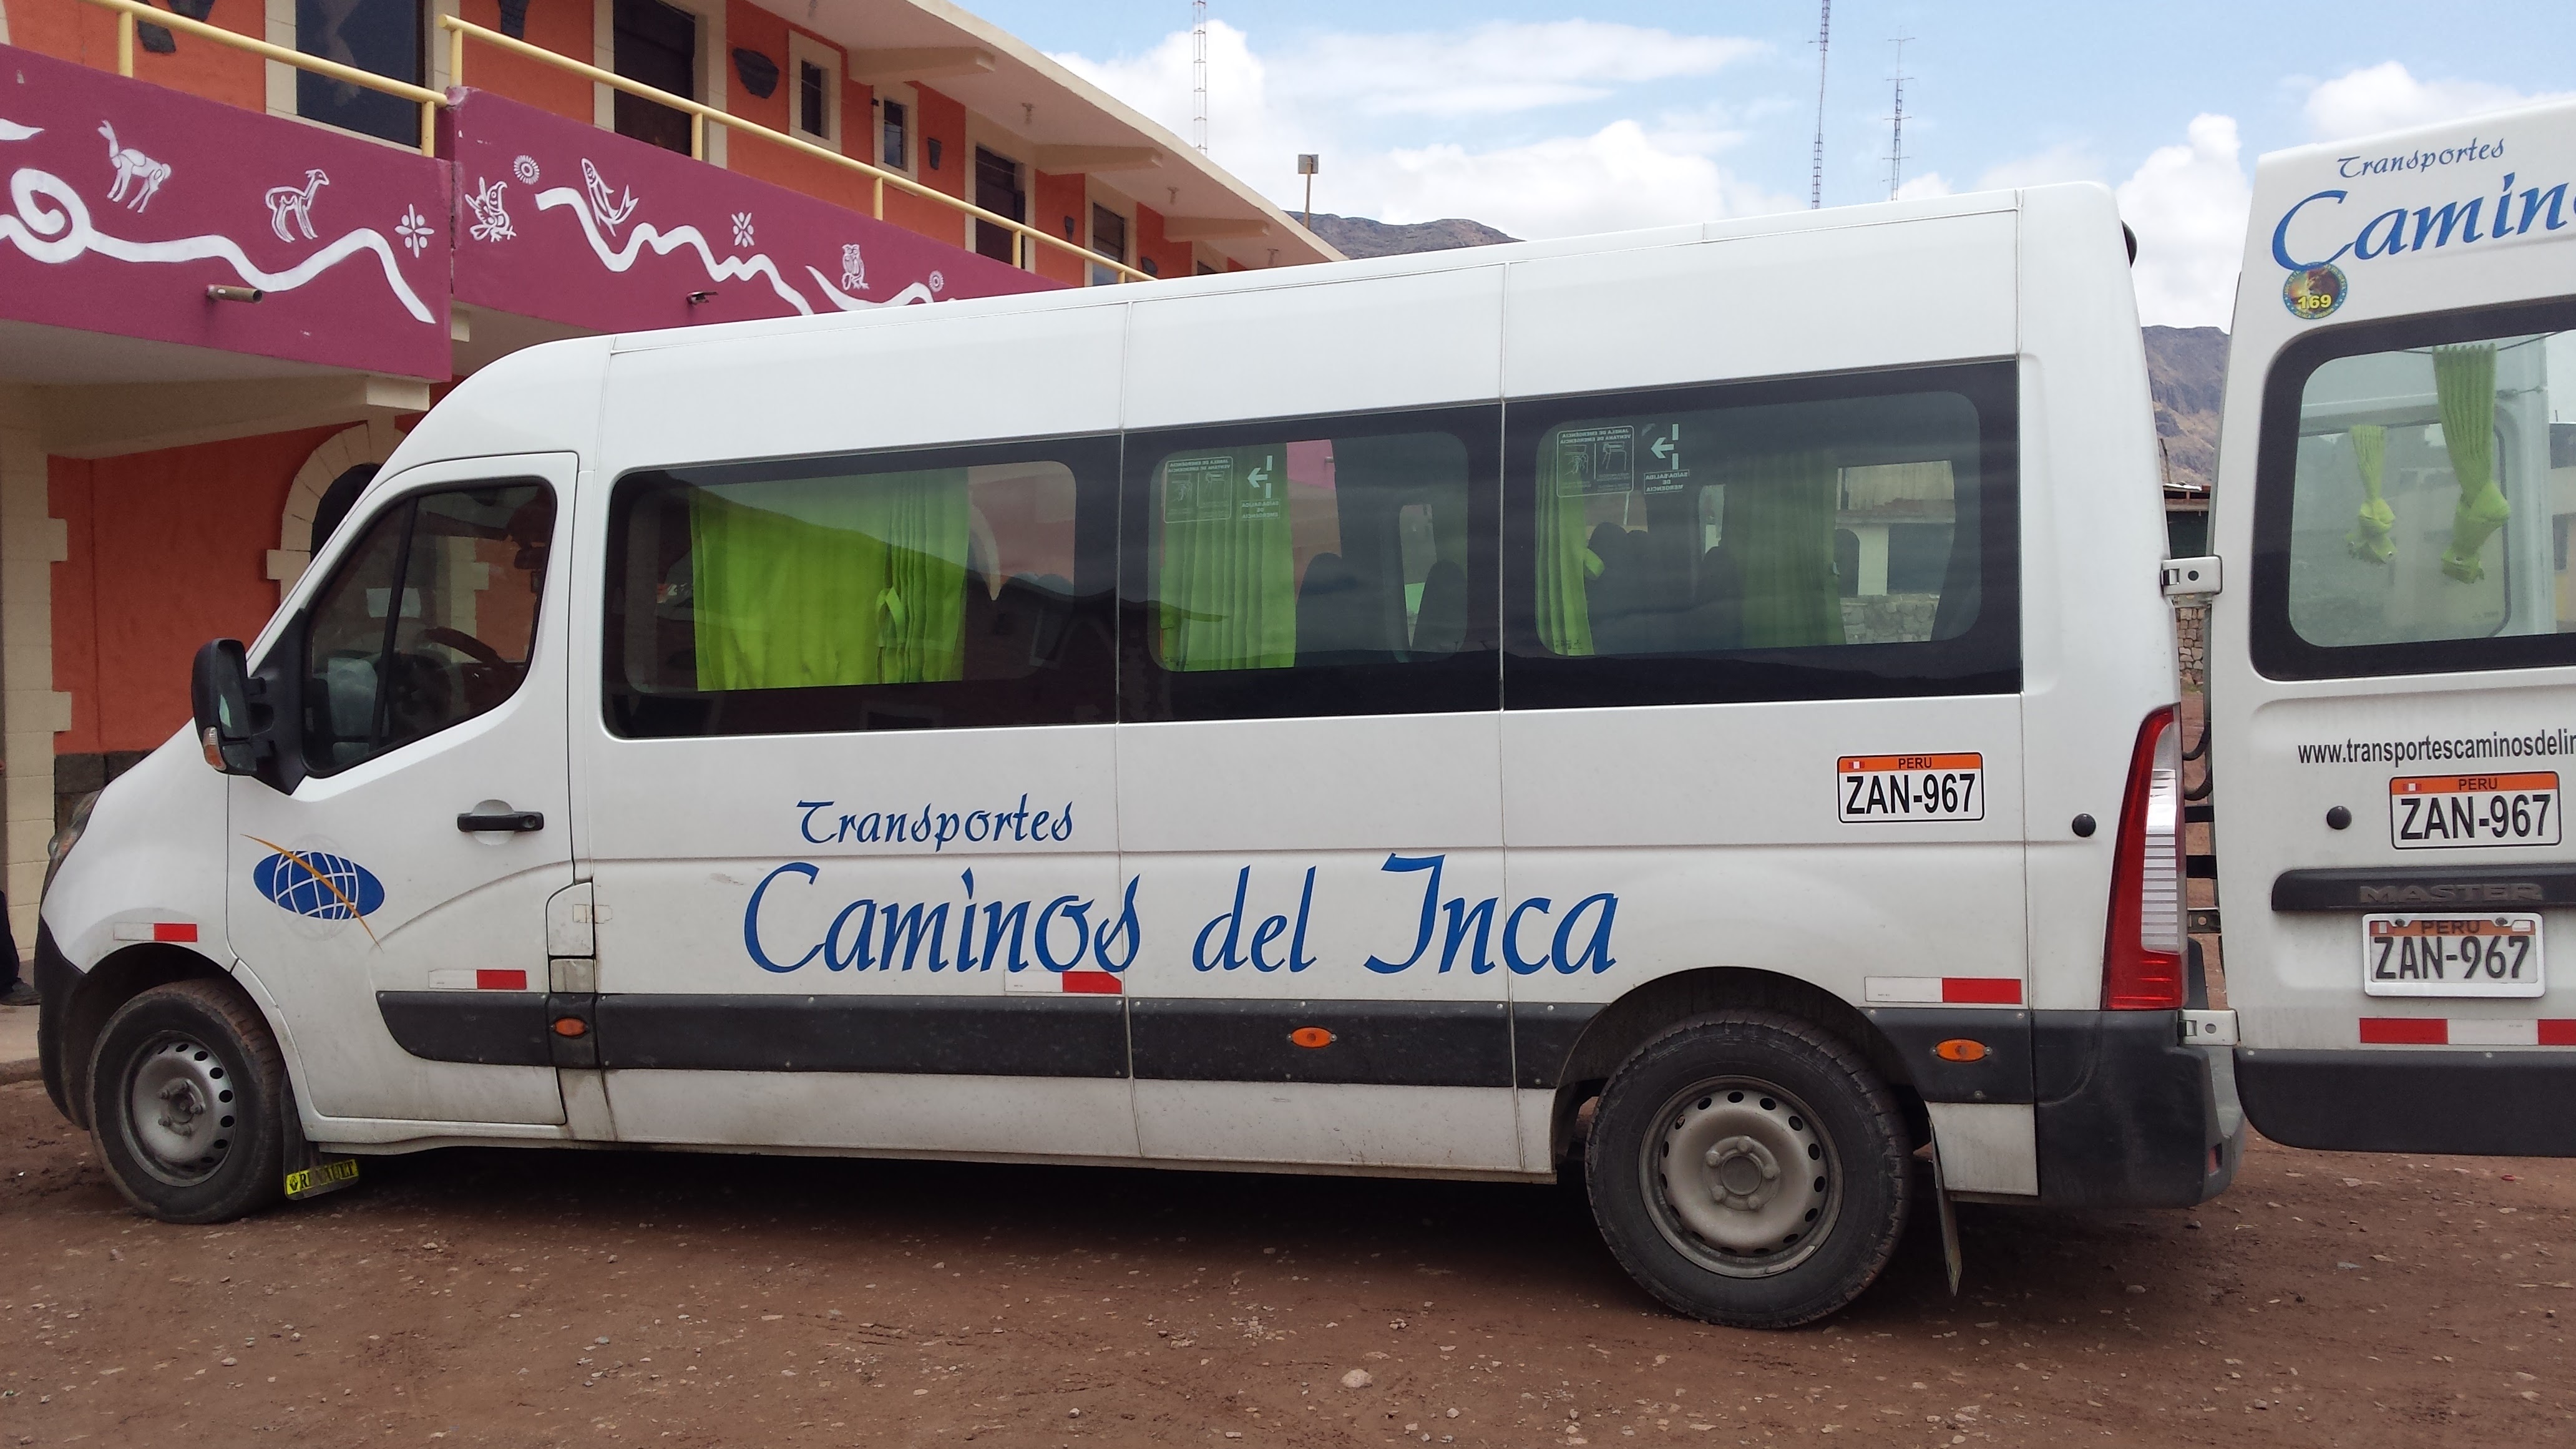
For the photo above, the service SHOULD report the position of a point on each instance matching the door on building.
(997, 189)
(393, 906)
(384, 37)
(656, 44)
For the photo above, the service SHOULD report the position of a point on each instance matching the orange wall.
(1057, 202)
(167, 551)
(562, 26)
(72, 31)
(749, 27)
(1171, 258)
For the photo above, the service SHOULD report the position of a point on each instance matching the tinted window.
(2407, 519)
(380, 36)
(1334, 567)
(969, 587)
(1820, 539)
(427, 621)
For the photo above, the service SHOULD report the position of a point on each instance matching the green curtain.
(1227, 598)
(1565, 565)
(863, 583)
(2464, 381)
(1780, 529)
(2369, 538)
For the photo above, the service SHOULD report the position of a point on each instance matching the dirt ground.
(519, 1297)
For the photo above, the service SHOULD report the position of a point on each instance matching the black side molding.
(2475, 1103)
(1378, 1043)
(487, 1028)
(2464, 887)
(1001, 1036)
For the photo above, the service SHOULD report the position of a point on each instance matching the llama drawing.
(295, 203)
(134, 171)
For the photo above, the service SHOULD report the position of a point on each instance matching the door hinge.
(2209, 1028)
(2191, 577)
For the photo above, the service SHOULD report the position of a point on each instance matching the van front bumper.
(2127, 1115)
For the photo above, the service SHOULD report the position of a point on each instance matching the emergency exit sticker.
(1876, 788)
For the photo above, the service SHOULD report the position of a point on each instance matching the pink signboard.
(124, 201)
(567, 222)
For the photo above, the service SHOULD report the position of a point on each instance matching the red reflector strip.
(1980, 991)
(174, 930)
(2557, 1031)
(2405, 1031)
(500, 980)
(1091, 983)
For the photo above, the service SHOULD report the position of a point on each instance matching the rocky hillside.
(2187, 373)
(1358, 236)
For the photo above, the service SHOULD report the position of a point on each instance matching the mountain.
(2187, 374)
(1358, 236)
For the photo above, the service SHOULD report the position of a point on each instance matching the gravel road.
(521, 1298)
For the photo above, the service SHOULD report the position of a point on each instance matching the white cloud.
(1929, 184)
(1333, 95)
(2388, 97)
(2067, 161)
(2188, 205)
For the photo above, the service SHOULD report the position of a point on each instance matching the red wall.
(167, 551)
(1170, 257)
(563, 28)
(1058, 198)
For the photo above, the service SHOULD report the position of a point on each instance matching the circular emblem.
(2315, 292)
(321, 884)
(525, 168)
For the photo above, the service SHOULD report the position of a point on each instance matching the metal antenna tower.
(1896, 123)
(1198, 73)
(1816, 159)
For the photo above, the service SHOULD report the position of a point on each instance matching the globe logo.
(318, 884)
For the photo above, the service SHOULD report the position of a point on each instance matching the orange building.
(243, 243)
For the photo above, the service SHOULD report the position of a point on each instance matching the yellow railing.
(129, 12)
(1023, 235)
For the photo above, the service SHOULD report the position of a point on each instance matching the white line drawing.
(742, 229)
(295, 203)
(663, 243)
(905, 298)
(938, 283)
(525, 168)
(491, 219)
(609, 216)
(854, 268)
(51, 224)
(132, 167)
(12, 131)
(414, 231)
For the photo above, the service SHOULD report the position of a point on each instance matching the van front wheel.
(187, 1097)
(1749, 1170)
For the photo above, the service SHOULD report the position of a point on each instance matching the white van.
(1700, 702)
(2393, 655)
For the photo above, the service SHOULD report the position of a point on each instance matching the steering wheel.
(465, 644)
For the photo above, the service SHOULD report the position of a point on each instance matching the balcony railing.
(129, 13)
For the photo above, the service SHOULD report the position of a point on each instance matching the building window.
(657, 44)
(997, 189)
(897, 140)
(1109, 238)
(815, 105)
(383, 37)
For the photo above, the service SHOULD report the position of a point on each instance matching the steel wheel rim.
(179, 1110)
(1740, 1178)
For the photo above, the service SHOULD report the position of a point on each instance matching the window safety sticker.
(1198, 490)
(1595, 460)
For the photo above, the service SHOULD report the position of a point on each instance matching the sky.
(1555, 118)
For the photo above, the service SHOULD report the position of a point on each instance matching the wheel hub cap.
(1742, 1179)
(179, 1110)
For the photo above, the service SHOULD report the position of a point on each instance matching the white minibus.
(1695, 708)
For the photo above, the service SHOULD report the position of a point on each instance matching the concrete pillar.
(31, 543)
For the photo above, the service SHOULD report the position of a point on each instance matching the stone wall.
(2191, 645)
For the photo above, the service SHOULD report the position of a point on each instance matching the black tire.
(1725, 1105)
(188, 1104)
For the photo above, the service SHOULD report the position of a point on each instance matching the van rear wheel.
(187, 1100)
(1749, 1170)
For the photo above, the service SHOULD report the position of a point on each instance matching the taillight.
(2142, 964)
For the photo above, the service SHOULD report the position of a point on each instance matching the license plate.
(1874, 788)
(2451, 955)
(2449, 812)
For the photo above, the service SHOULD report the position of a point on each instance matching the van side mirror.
(219, 692)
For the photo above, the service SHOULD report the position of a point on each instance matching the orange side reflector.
(1311, 1036)
(1960, 1049)
(571, 1026)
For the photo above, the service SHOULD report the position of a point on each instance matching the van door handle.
(512, 820)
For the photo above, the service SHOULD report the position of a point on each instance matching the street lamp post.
(1306, 168)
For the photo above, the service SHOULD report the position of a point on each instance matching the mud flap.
(1949, 1214)
(309, 1172)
